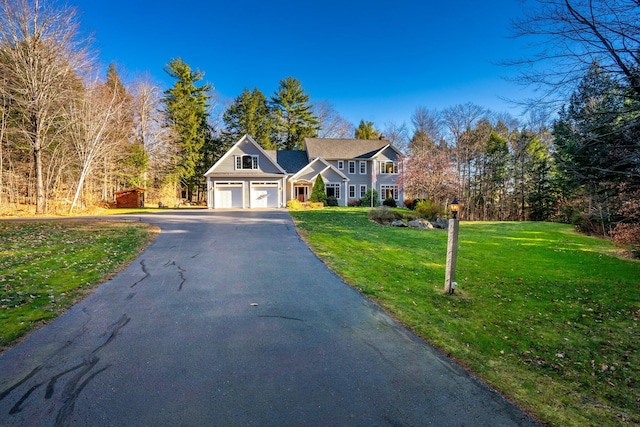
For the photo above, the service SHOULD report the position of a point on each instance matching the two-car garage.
(246, 194)
(246, 176)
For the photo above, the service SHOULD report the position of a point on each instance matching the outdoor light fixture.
(452, 249)
(455, 207)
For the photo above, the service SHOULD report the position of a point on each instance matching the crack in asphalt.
(181, 273)
(74, 386)
(282, 317)
(144, 270)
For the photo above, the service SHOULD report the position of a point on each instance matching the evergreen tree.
(370, 198)
(496, 161)
(187, 113)
(541, 193)
(318, 192)
(250, 114)
(294, 117)
(366, 130)
(596, 147)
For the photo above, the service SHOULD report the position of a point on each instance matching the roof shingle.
(339, 148)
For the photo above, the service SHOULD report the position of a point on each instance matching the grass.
(545, 315)
(45, 267)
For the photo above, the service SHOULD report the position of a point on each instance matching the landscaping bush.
(366, 200)
(412, 203)
(318, 193)
(390, 202)
(295, 204)
(332, 201)
(381, 215)
(428, 210)
(354, 202)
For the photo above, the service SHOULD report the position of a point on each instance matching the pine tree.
(250, 114)
(187, 111)
(366, 130)
(594, 147)
(294, 117)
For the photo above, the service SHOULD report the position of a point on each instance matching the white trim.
(217, 186)
(335, 186)
(362, 164)
(394, 167)
(349, 164)
(328, 166)
(362, 193)
(232, 149)
(266, 186)
(394, 191)
(341, 164)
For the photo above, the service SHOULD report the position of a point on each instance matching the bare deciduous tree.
(93, 121)
(40, 61)
(570, 35)
(332, 125)
(149, 121)
(396, 134)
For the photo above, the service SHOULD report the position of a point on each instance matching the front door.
(301, 194)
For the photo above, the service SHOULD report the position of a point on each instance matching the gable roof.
(380, 151)
(340, 148)
(245, 140)
(318, 166)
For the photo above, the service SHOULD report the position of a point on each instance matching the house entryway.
(302, 193)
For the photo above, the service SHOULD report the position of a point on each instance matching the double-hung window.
(352, 191)
(363, 167)
(352, 167)
(341, 164)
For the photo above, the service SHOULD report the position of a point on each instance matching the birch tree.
(92, 129)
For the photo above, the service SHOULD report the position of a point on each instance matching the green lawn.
(45, 267)
(543, 314)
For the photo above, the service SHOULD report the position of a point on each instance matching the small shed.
(131, 198)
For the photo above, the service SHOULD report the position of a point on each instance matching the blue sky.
(373, 60)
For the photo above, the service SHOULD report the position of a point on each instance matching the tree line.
(70, 138)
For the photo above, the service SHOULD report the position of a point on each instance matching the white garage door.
(264, 195)
(228, 195)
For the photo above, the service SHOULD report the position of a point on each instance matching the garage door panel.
(228, 197)
(264, 196)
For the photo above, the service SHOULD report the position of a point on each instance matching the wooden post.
(452, 255)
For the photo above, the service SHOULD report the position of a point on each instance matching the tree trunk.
(40, 197)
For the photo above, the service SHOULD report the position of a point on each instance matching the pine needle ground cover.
(545, 315)
(45, 267)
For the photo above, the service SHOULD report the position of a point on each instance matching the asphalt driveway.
(229, 319)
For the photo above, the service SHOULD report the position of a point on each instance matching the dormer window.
(246, 162)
